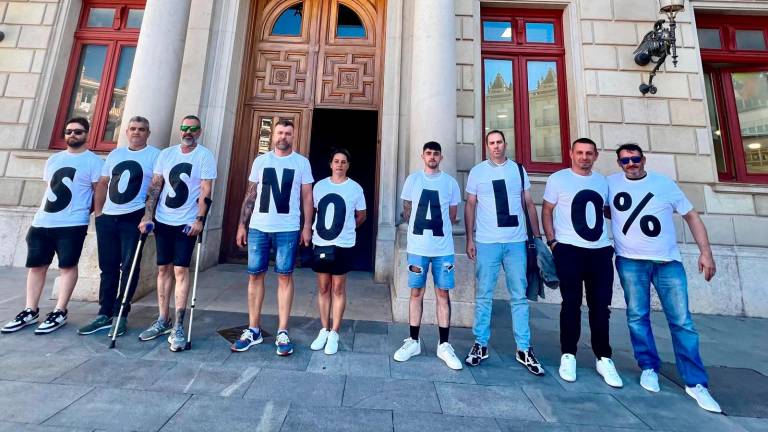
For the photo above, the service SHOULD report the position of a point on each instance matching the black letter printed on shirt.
(579, 215)
(281, 190)
(180, 189)
(135, 177)
(503, 218)
(339, 214)
(60, 190)
(430, 199)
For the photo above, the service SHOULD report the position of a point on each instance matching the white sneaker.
(649, 380)
(320, 340)
(409, 349)
(703, 398)
(332, 345)
(607, 370)
(445, 353)
(568, 367)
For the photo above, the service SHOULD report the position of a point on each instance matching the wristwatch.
(551, 242)
(200, 218)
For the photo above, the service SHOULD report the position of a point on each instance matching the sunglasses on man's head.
(188, 128)
(634, 159)
(74, 132)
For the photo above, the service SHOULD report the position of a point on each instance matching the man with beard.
(281, 181)
(120, 198)
(59, 226)
(183, 176)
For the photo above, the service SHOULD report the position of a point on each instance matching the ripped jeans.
(442, 271)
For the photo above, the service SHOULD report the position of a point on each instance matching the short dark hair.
(335, 151)
(583, 141)
(192, 117)
(139, 119)
(82, 121)
(285, 123)
(432, 145)
(503, 138)
(629, 147)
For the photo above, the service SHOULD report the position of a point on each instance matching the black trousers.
(585, 270)
(117, 238)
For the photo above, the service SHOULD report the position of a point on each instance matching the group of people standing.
(140, 188)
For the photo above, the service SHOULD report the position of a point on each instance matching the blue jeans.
(260, 245)
(490, 258)
(442, 271)
(670, 282)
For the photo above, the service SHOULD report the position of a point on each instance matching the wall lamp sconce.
(658, 43)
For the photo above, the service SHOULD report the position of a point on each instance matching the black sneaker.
(527, 359)
(52, 322)
(477, 354)
(23, 319)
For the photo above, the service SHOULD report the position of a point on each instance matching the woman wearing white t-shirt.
(339, 209)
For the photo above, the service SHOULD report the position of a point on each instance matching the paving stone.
(589, 381)
(205, 413)
(114, 372)
(390, 394)
(429, 368)
(482, 401)
(581, 408)
(512, 374)
(372, 343)
(371, 327)
(264, 356)
(207, 379)
(298, 388)
(508, 425)
(115, 409)
(208, 349)
(16, 427)
(17, 398)
(350, 363)
(428, 422)
(337, 419)
(36, 368)
(752, 424)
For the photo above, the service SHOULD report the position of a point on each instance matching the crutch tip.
(112, 344)
(188, 346)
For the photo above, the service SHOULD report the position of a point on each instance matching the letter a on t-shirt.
(430, 200)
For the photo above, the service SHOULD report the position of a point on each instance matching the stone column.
(433, 88)
(156, 69)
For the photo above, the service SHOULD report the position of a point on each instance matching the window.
(289, 22)
(524, 92)
(349, 24)
(733, 52)
(99, 72)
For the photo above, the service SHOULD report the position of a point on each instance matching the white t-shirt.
(69, 193)
(499, 216)
(430, 232)
(278, 199)
(579, 202)
(130, 174)
(641, 216)
(183, 174)
(336, 204)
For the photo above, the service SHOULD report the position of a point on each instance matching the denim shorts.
(442, 271)
(261, 243)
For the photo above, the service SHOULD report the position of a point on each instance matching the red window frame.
(519, 51)
(720, 64)
(115, 39)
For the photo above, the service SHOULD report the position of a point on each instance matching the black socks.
(415, 332)
(444, 333)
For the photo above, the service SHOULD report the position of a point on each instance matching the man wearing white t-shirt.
(279, 191)
(119, 207)
(60, 226)
(430, 244)
(642, 205)
(177, 199)
(572, 215)
(496, 234)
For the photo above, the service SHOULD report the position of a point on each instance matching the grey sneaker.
(157, 328)
(177, 339)
(100, 323)
(121, 329)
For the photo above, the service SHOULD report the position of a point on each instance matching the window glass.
(500, 100)
(265, 135)
(349, 24)
(135, 16)
(714, 121)
(86, 89)
(751, 94)
(540, 32)
(750, 40)
(119, 93)
(101, 17)
(497, 31)
(709, 38)
(544, 112)
(289, 22)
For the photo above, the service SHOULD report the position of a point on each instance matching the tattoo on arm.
(248, 204)
(153, 194)
(406, 210)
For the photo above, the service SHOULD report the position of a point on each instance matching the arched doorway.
(305, 61)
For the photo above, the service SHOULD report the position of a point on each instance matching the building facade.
(381, 77)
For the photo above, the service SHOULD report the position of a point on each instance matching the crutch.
(188, 346)
(126, 288)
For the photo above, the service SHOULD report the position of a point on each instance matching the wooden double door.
(303, 56)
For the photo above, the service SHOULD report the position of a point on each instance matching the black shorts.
(173, 246)
(340, 265)
(65, 242)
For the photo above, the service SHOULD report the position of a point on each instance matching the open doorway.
(356, 131)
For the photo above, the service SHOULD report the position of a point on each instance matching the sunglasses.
(77, 132)
(634, 159)
(193, 129)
